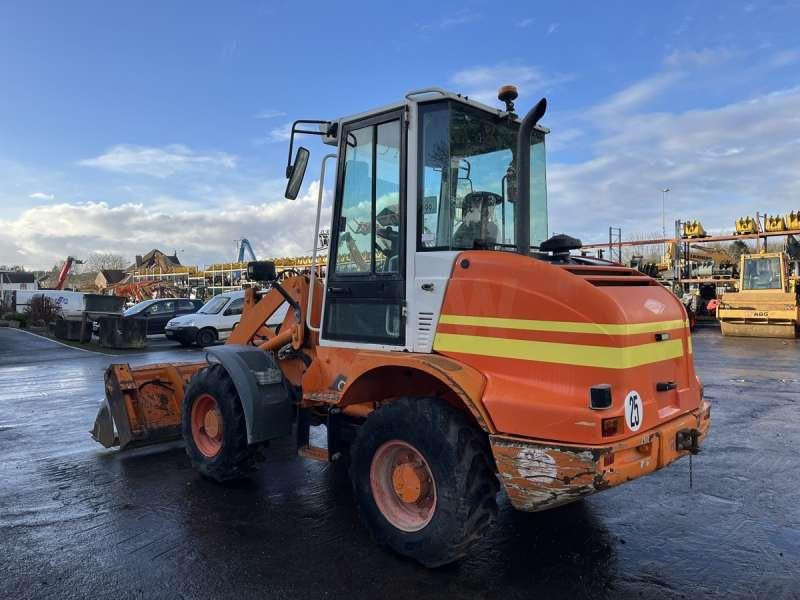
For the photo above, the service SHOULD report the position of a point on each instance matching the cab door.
(365, 289)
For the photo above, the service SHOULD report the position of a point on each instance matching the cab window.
(235, 307)
(369, 223)
(467, 181)
(762, 274)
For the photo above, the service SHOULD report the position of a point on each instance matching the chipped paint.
(539, 475)
(536, 464)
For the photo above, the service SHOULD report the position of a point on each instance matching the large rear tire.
(424, 480)
(213, 427)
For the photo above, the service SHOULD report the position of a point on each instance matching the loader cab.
(417, 183)
(763, 272)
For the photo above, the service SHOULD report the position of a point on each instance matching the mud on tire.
(460, 461)
(235, 458)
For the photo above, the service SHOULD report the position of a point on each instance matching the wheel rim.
(403, 485)
(207, 425)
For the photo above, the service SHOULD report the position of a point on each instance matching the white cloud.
(41, 196)
(157, 162)
(42, 235)
(276, 134)
(700, 58)
(523, 23)
(637, 94)
(784, 58)
(563, 138)
(269, 113)
(482, 82)
(552, 28)
(721, 163)
(447, 22)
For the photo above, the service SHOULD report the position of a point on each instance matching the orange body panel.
(495, 318)
(346, 376)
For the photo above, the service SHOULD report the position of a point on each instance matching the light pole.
(663, 221)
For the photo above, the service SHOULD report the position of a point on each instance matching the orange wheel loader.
(451, 347)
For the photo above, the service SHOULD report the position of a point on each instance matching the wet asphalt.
(80, 521)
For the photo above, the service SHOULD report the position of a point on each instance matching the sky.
(126, 126)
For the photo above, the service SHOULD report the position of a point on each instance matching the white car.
(214, 321)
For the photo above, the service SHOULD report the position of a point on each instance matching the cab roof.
(429, 95)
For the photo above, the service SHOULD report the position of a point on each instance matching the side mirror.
(295, 172)
(262, 270)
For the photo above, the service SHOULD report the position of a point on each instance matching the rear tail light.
(611, 426)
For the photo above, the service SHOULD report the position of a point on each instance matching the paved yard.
(79, 521)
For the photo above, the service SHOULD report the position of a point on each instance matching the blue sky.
(125, 126)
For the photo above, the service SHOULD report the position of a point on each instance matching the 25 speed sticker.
(634, 410)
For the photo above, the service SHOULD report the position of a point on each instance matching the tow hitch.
(687, 439)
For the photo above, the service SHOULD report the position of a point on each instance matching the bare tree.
(106, 260)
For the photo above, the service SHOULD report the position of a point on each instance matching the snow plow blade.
(142, 405)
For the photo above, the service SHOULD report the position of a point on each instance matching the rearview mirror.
(262, 270)
(295, 172)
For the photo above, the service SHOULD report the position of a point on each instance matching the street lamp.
(663, 221)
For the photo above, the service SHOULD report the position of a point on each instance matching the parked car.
(157, 313)
(214, 321)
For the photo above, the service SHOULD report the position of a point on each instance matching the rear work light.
(612, 426)
(600, 396)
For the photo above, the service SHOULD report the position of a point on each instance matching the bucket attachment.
(693, 229)
(142, 405)
(746, 225)
(775, 224)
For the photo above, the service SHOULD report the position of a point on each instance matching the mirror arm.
(289, 166)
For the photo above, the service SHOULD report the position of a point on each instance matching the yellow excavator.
(767, 303)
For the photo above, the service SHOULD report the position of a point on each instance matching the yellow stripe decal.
(565, 354)
(563, 326)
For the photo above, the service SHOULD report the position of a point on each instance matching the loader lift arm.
(143, 404)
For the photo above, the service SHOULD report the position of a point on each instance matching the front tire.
(206, 337)
(424, 480)
(213, 427)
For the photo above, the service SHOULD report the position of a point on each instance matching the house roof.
(157, 258)
(112, 275)
(16, 277)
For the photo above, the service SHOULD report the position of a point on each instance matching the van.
(214, 321)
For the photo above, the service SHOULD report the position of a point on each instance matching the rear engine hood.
(543, 334)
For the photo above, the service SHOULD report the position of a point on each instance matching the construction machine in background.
(449, 343)
(768, 301)
(63, 274)
(245, 247)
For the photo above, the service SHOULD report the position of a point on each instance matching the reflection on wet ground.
(77, 521)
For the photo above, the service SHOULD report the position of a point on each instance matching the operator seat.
(477, 225)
